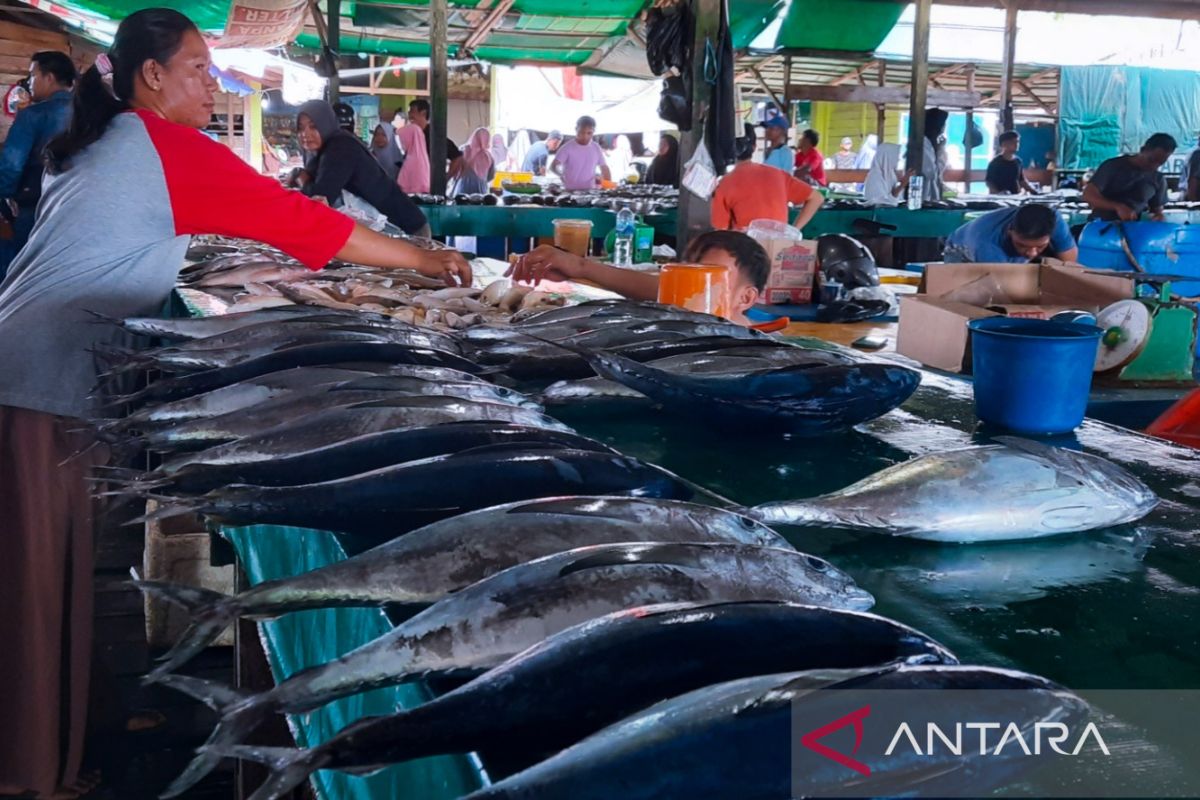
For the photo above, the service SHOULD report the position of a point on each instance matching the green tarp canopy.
(555, 31)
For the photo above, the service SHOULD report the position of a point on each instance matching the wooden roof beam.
(855, 74)
(493, 18)
(880, 94)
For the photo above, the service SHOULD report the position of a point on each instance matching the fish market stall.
(360, 426)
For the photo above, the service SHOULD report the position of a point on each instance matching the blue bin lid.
(1020, 327)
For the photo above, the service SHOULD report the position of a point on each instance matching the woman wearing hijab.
(478, 166)
(664, 169)
(884, 185)
(620, 160)
(499, 152)
(385, 149)
(414, 175)
(933, 166)
(343, 163)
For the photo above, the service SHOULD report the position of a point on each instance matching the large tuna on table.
(1018, 489)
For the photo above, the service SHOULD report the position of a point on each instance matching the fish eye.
(817, 564)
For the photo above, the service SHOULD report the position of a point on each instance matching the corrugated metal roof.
(1035, 91)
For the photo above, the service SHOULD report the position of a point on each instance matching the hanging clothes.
(723, 126)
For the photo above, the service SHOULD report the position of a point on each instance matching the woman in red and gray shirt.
(127, 185)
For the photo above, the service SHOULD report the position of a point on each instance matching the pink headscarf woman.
(414, 172)
(477, 155)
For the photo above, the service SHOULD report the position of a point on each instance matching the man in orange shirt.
(755, 191)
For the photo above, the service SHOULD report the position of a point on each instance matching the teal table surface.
(309, 638)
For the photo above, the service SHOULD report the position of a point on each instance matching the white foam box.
(178, 551)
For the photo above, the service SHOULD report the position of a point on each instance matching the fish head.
(828, 585)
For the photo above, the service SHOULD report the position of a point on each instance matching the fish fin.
(235, 726)
(98, 318)
(212, 613)
(172, 507)
(289, 766)
(1070, 461)
(219, 697)
(670, 554)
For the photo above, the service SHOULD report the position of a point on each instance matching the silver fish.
(490, 621)
(1018, 489)
(716, 362)
(424, 566)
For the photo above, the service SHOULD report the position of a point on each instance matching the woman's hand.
(449, 265)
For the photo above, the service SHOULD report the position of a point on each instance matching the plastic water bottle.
(623, 241)
(916, 192)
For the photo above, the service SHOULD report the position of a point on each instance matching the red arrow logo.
(854, 718)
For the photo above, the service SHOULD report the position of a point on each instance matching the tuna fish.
(347, 441)
(735, 740)
(203, 433)
(802, 399)
(406, 496)
(479, 627)
(422, 567)
(322, 354)
(717, 362)
(1018, 489)
(576, 682)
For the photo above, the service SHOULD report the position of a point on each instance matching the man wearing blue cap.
(539, 154)
(779, 155)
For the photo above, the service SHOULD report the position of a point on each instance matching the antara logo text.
(992, 738)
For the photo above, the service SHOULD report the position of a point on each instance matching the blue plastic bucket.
(1031, 375)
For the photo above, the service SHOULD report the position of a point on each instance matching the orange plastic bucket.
(704, 288)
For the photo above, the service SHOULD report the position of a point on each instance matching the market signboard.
(262, 24)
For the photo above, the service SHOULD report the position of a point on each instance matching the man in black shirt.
(1006, 173)
(1125, 186)
(418, 114)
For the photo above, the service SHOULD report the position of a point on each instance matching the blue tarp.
(310, 638)
(1108, 111)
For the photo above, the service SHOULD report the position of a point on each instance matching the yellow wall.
(856, 120)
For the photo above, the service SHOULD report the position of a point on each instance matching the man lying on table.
(749, 261)
(1013, 235)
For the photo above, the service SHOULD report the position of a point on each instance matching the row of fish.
(256, 278)
(614, 639)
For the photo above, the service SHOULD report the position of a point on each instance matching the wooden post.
(334, 28)
(970, 144)
(881, 109)
(920, 86)
(695, 213)
(438, 79)
(1010, 57)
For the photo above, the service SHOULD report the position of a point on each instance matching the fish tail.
(98, 318)
(242, 714)
(289, 767)
(790, 512)
(212, 613)
(171, 507)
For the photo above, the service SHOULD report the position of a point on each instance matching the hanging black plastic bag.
(674, 105)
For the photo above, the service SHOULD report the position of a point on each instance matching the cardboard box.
(793, 271)
(933, 329)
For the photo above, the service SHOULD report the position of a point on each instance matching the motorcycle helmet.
(345, 117)
(845, 260)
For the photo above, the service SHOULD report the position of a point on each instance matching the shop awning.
(568, 32)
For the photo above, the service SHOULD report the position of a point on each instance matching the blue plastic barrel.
(1032, 376)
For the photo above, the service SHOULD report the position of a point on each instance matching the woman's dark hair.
(154, 34)
(57, 64)
(935, 123)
